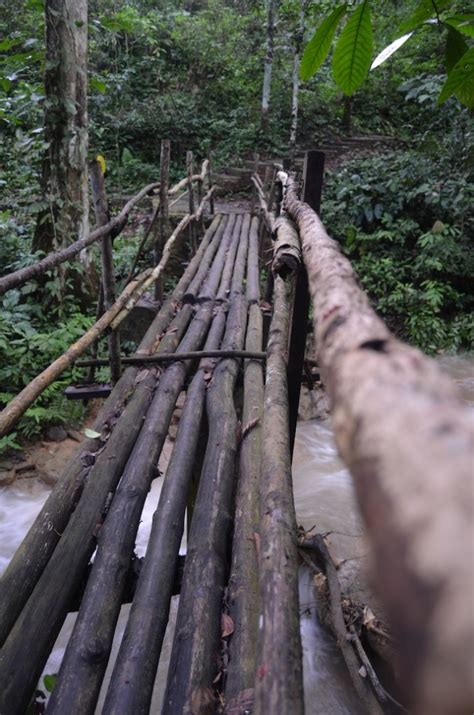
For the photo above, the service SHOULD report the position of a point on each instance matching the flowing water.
(324, 498)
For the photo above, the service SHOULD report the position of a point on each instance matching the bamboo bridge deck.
(399, 426)
(213, 471)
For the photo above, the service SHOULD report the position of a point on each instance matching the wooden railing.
(112, 310)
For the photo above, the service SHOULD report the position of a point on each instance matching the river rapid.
(324, 498)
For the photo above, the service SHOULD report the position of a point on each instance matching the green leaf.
(351, 59)
(456, 47)
(98, 85)
(462, 23)
(318, 47)
(460, 81)
(49, 682)
(425, 11)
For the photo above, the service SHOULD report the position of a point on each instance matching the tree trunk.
(64, 172)
(267, 72)
(298, 41)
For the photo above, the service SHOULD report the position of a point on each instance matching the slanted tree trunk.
(64, 172)
(297, 44)
(267, 72)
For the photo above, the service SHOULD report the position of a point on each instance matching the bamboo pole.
(194, 657)
(43, 614)
(26, 566)
(114, 226)
(243, 597)
(172, 357)
(99, 199)
(131, 686)
(408, 441)
(279, 677)
(110, 319)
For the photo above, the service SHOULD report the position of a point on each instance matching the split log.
(194, 657)
(114, 226)
(279, 676)
(408, 441)
(243, 596)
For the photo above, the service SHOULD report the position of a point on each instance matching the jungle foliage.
(192, 71)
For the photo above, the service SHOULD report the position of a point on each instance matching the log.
(131, 686)
(408, 441)
(194, 657)
(190, 295)
(243, 597)
(83, 666)
(114, 226)
(279, 676)
(99, 199)
(33, 554)
(286, 247)
(27, 647)
(361, 685)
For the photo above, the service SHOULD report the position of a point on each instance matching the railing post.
(210, 172)
(313, 173)
(108, 276)
(192, 225)
(163, 224)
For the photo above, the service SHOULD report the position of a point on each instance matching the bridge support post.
(313, 174)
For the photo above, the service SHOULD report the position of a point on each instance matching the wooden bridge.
(236, 648)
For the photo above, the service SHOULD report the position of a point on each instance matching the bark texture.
(409, 443)
(64, 179)
(279, 677)
(268, 66)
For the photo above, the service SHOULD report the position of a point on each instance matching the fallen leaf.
(227, 625)
(91, 433)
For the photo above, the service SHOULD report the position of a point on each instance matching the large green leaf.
(351, 59)
(424, 11)
(462, 23)
(456, 47)
(318, 47)
(460, 81)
